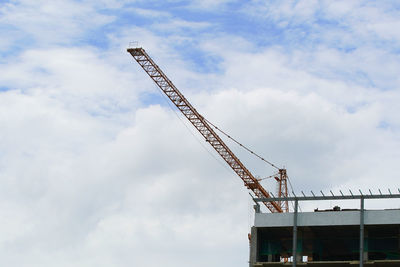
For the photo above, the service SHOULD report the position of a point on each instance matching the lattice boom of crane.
(201, 125)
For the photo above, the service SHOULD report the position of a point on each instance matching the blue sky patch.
(153, 98)
(4, 89)
(384, 125)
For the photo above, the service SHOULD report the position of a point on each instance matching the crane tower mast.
(162, 81)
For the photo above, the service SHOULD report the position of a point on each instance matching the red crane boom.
(201, 125)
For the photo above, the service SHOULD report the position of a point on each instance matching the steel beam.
(326, 197)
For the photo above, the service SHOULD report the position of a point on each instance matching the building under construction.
(348, 237)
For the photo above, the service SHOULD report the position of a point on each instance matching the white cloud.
(181, 25)
(49, 22)
(111, 194)
(156, 14)
(92, 176)
(73, 76)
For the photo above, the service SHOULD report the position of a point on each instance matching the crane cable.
(241, 144)
(190, 131)
(290, 184)
(271, 176)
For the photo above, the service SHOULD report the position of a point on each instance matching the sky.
(97, 169)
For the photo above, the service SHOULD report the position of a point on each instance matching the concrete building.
(326, 238)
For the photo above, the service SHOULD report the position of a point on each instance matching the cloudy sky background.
(96, 169)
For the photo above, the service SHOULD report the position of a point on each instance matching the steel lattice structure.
(162, 81)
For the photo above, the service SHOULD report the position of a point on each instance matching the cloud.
(72, 76)
(96, 170)
(83, 192)
(150, 13)
(49, 23)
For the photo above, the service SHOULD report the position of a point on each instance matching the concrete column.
(398, 236)
(299, 246)
(294, 253)
(366, 238)
(253, 247)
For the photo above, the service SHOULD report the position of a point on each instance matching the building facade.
(326, 238)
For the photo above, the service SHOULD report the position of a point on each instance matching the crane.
(205, 129)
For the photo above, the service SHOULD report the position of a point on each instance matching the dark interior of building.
(329, 243)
